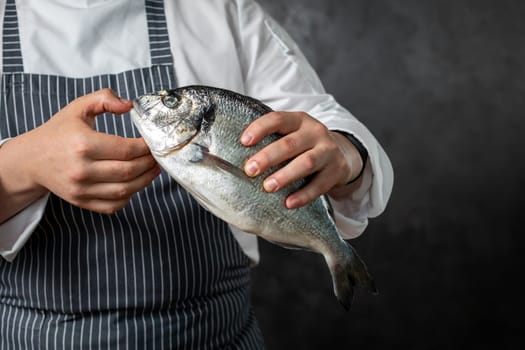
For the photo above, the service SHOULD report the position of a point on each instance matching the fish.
(194, 134)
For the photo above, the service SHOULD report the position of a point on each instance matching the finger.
(273, 122)
(301, 167)
(101, 146)
(279, 151)
(99, 102)
(117, 170)
(118, 190)
(319, 185)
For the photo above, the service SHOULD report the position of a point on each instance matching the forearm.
(17, 189)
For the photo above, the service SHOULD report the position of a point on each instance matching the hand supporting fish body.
(193, 132)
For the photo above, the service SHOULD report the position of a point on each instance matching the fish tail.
(348, 270)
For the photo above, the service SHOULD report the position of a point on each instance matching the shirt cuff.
(15, 232)
(367, 197)
(351, 208)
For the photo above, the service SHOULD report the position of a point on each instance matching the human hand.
(309, 146)
(89, 169)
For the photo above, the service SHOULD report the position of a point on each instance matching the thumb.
(98, 102)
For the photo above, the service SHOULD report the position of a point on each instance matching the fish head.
(169, 119)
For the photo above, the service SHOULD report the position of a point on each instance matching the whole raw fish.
(194, 132)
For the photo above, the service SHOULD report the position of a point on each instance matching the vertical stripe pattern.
(162, 273)
(12, 55)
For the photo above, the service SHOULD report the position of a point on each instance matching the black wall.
(441, 85)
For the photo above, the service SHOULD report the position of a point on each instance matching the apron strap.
(12, 54)
(158, 34)
(160, 50)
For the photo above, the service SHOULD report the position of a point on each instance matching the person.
(101, 249)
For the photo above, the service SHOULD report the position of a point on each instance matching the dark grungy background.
(441, 84)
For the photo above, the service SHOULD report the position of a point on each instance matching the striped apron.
(162, 273)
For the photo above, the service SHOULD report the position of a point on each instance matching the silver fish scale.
(231, 117)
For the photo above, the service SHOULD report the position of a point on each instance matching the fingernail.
(270, 185)
(246, 138)
(252, 168)
(292, 203)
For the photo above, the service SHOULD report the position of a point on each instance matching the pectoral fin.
(201, 154)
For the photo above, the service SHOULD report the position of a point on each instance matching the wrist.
(355, 154)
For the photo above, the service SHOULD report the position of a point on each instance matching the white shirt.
(232, 44)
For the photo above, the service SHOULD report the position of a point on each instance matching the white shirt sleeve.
(261, 61)
(15, 232)
(277, 72)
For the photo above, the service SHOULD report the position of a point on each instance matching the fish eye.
(170, 101)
